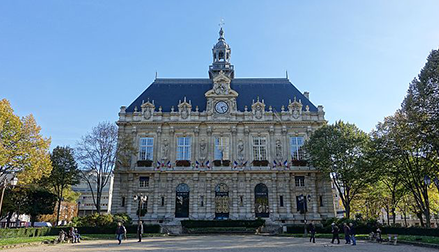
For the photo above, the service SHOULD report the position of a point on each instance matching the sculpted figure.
(278, 150)
(165, 149)
(203, 150)
(240, 150)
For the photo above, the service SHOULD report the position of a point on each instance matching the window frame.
(299, 181)
(148, 148)
(296, 149)
(259, 151)
(184, 149)
(143, 181)
(224, 142)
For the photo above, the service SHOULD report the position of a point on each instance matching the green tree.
(22, 149)
(65, 173)
(396, 142)
(38, 201)
(341, 151)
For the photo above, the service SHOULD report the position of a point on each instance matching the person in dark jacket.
(140, 230)
(347, 235)
(352, 232)
(120, 232)
(335, 231)
(312, 231)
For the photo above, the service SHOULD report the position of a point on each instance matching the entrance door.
(221, 202)
(182, 201)
(261, 201)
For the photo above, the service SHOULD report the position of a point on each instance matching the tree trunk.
(8, 219)
(393, 216)
(419, 214)
(405, 218)
(58, 210)
(388, 215)
(347, 210)
(33, 218)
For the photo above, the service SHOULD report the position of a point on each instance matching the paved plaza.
(220, 243)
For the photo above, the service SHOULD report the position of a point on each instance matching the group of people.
(73, 235)
(349, 233)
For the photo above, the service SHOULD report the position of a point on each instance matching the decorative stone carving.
(258, 109)
(165, 149)
(184, 108)
(278, 150)
(203, 150)
(295, 109)
(241, 153)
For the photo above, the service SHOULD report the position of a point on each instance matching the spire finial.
(286, 74)
(221, 32)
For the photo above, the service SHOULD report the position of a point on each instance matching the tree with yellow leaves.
(23, 150)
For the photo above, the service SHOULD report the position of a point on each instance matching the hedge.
(34, 232)
(222, 223)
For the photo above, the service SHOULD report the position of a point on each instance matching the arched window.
(261, 201)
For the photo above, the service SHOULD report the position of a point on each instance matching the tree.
(341, 151)
(22, 149)
(64, 174)
(395, 141)
(38, 201)
(421, 105)
(97, 152)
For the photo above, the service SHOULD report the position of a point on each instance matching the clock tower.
(221, 99)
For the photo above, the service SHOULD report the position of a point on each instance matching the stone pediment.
(221, 87)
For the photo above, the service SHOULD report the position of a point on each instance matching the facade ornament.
(148, 109)
(241, 153)
(295, 108)
(184, 108)
(278, 149)
(165, 149)
(258, 108)
(203, 150)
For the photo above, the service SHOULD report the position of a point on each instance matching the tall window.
(300, 181)
(296, 148)
(221, 148)
(143, 181)
(259, 148)
(146, 148)
(184, 148)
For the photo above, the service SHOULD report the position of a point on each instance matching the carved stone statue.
(165, 149)
(278, 149)
(185, 113)
(203, 150)
(258, 113)
(241, 150)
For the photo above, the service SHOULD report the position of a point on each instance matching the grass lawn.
(19, 240)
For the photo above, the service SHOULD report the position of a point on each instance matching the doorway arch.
(261, 201)
(182, 201)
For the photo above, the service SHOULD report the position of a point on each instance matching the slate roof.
(167, 92)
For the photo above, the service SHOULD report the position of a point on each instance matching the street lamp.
(4, 183)
(140, 198)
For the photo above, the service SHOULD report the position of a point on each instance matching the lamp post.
(4, 183)
(140, 198)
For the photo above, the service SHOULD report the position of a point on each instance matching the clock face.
(221, 107)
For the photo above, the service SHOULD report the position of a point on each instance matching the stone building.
(221, 148)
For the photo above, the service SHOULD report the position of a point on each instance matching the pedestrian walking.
(347, 234)
(312, 231)
(121, 232)
(140, 230)
(352, 232)
(335, 231)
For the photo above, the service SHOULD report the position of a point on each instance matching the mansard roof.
(275, 92)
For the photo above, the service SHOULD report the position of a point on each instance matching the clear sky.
(73, 63)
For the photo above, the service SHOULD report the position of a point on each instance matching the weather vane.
(221, 24)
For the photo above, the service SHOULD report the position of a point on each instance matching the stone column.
(233, 142)
(170, 197)
(248, 146)
(234, 197)
(158, 146)
(210, 206)
(287, 192)
(271, 146)
(130, 195)
(274, 199)
(156, 196)
(195, 199)
(249, 200)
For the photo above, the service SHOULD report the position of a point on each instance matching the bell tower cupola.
(221, 53)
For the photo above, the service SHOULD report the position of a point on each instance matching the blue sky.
(73, 63)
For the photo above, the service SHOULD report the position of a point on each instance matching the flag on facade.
(169, 164)
(197, 164)
(245, 163)
(235, 164)
(274, 163)
(286, 164)
(158, 164)
(207, 164)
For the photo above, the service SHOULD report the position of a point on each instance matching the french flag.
(158, 164)
(208, 164)
(245, 163)
(235, 164)
(169, 164)
(274, 163)
(197, 164)
(286, 164)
